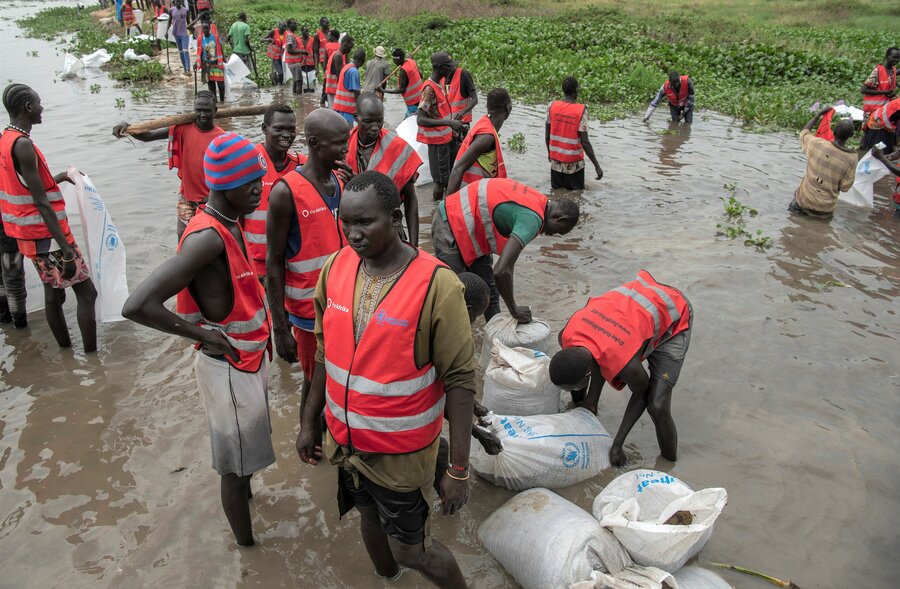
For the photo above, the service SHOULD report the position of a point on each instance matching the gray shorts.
(440, 161)
(666, 360)
(237, 412)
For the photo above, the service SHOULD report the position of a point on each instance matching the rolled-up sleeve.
(451, 346)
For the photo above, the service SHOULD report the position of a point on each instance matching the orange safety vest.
(436, 135)
(254, 224)
(377, 399)
(565, 142)
(392, 156)
(475, 171)
(275, 50)
(247, 325)
(323, 41)
(309, 59)
(413, 91)
(21, 218)
(454, 94)
(470, 214)
(292, 58)
(331, 80)
(332, 47)
(615, 325)
(885, 82)
(681, 98)
(344, 100)
(320, 236)
(881, 118)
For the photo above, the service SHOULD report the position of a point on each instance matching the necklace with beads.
(20, 130)
(210, 207)
(371, 293)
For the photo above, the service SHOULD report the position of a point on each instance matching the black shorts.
(440, 161)
(402, 515)
(574, 181)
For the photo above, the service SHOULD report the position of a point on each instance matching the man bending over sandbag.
(609, 339)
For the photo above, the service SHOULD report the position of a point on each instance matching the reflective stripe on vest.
(320, 236)
(331, 80)
(20, 217)
(292, 58)
(436, 135)
(323, 40)
(458, 102)
(681, 98)
(247, 325)
(470, 214)
(344, 100)
(392, 156)
(565, 141)
(881, 118)
(309, 59)
(413, 92)
(377, 399)
(484, 126)
(885, 82)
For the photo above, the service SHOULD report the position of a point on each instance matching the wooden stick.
(188, 117)
(399, 67)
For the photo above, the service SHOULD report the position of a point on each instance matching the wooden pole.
(399, 67)
(189, 117)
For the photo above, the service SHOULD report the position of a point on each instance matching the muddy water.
(788, 397)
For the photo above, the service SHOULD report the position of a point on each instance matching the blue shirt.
(351, 80)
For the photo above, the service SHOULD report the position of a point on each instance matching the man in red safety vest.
(274, 40)
(320, 40)
(878, 90)
(892, 162)
(609, 339)
(390, 362)
(480, 155)
(409, 81)
(333, 66)
(349, 86)
(566, 137)
(221, 305)
(679, 92)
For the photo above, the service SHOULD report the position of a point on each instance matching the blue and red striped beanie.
(232, 161)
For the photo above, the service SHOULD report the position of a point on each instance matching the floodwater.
(788, 398)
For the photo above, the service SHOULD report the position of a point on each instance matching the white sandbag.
(97, 58)
(34, 288)
(286, 71)
(693, 577)
(517, 382)
(546, 542)
(236, 76)
(113, 39)
(309, 79)
(512, 334)
(633, 577)
(551, 451)
(162, 24)
(132, 56)
(868, 171)
(72, 66)
(636, 505)
(103, 250)
(407, 131)
(849, 111)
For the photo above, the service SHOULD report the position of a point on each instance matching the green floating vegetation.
(516, 143)
(735, 227)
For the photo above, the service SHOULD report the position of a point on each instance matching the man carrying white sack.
(609, 339)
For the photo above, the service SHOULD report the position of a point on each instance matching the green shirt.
(511, 220)
(239, 32)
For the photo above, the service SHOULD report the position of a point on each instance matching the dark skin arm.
(423, 120)
(814, 122)
(411, 211)
(479, 146)
(459, 409)
(886, 160)
(503, 275)
(402, 83)
(588, 151)
(278, 226)
(146, 306)
(471, 103)
(154, 135)
(594, 389)
(635, 376)
(26, 164)
(316, 48)
(547, 137)
(307, 449)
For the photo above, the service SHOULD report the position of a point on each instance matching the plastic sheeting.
(407, 131)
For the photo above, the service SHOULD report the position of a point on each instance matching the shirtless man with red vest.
(337, 59)
(464, 237)
(302, 231)
(409, 81)
(480, 155)
(609, 339)
(34, 214)
(374, 148)
(187, 145)
(679, 91)
(877, 91)
(320, 40)
(388, 365)
(221, 306)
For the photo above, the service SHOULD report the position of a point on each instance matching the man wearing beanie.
(221, 306)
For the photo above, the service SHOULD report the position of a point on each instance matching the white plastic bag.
(161, 25)
(868, 171)
(407, 131)
(551, 451)
(113, 39)
(517, 382)
(34, 288)
(97, 58)
(103, 250)
(131, 55)
(309, 79)
(236, 76)
(72, 66)
(512, 334)
(546, 542)
(633, 577)
(697, 578)
(285, 69)
(636, 505)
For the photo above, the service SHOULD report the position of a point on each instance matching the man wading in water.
(187, 144)
(221, 306)
(388, 315)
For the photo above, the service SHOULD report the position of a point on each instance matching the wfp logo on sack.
(650, 480)
(574, 455)
(382, 318)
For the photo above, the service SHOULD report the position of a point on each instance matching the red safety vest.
(331, 80)
(247, 325)
(475, 171)
(436, 135)
(565, 142)
(310, 58)
(392, 156)
(254, 224)
(454, 94)
(332, 47)
(344, 100)
(21, 218)
(885, 82)
(292, 58)
(275, 50)
(377, 399)
(881, 118)
(615, 325)
(413, 91)
(320, 236)
(323, 40)
(470, 213)
(681, 98)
